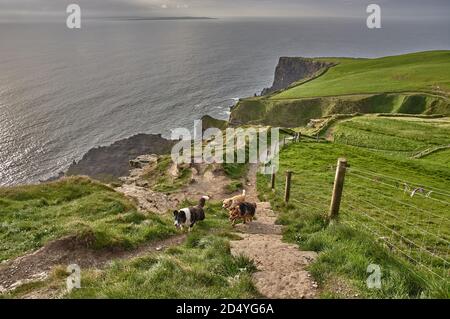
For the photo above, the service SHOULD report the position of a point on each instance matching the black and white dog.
(190, 215)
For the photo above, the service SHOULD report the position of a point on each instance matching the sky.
(225, 8)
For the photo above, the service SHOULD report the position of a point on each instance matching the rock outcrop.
(211, 122)
(293, 69)
(107, 163)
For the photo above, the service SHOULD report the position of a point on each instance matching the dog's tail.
(243, 192)
(202, 201)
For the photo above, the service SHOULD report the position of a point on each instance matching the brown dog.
(232, 202)
(245, 211)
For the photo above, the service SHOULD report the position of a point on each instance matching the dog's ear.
(175, 213)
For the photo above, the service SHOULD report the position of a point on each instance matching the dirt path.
(281, 266)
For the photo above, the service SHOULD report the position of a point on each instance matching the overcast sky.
(219, 8)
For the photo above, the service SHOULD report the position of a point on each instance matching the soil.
(206, 180)
(281, 266)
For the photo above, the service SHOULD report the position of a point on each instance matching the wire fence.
(410, 219)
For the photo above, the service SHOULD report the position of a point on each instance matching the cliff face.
(107, 163)
(293, 69)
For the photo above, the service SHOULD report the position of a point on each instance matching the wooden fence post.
(337, 189)
(287, 190)
(272, 179)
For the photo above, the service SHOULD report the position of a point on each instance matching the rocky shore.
(108, 163)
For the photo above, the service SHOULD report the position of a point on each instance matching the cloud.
(226, 7)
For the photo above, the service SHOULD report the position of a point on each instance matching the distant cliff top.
(293, 69)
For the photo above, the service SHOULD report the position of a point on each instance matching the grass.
(417, 83)
(416, 72)
(160, 180)
(397, 135)
(235, 171)
(202, 267)
(234, 186)
(298, 112)
(442, 157)
(31, 216)
(369, 205)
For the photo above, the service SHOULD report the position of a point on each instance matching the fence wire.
(410, 218)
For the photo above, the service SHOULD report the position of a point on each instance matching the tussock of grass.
(160, 180)
(234, 186)
(235, 170)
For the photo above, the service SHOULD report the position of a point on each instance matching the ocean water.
(63, 92)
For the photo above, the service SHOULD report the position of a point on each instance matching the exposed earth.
(281, 267)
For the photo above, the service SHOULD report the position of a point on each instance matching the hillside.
(403, 136)
(381, 222)
(416, 72)
(417, 83)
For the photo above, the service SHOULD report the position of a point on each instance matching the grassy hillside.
(31, 216)
(379, 223)
(417, 83)
(401, 135)
(416, 72)
(202, 267)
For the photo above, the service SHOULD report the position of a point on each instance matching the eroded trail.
(281, 266)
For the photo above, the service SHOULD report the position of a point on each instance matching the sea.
(63, 92)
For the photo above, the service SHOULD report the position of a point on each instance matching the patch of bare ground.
(281, 266)
(205, 179)
(37, 265)
(339, 288)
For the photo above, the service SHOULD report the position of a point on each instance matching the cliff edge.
(293, 69)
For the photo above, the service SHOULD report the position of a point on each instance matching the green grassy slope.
(416, 72)
(347, 251)
(403, 135)
(379, 222)
(95, 214)
(417, 83)
(202, 267)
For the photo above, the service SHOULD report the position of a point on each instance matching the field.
(379, 223)
(400, 135)
(416, 72)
